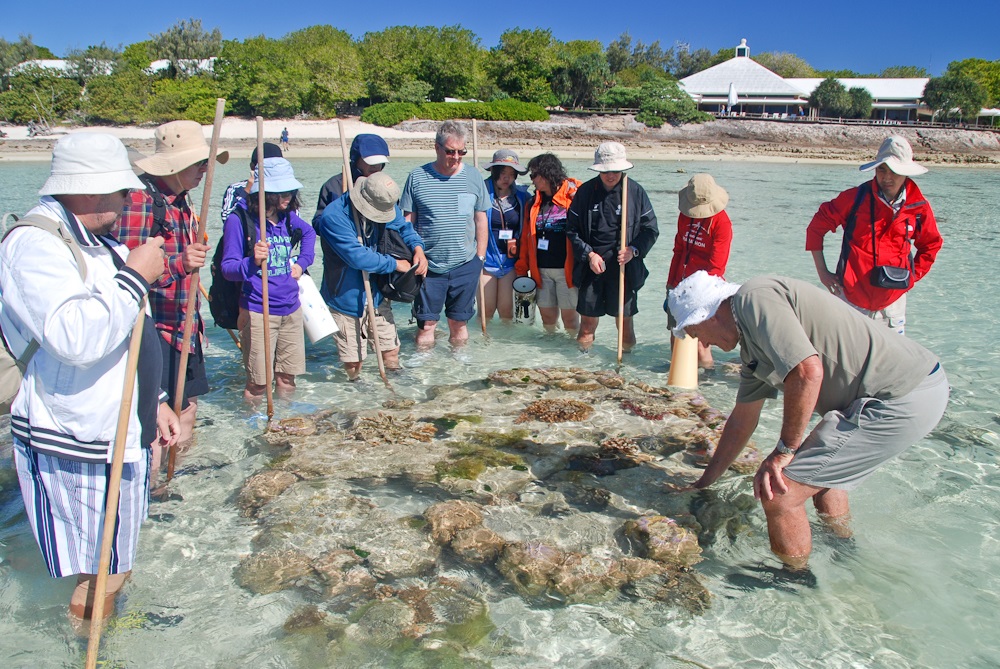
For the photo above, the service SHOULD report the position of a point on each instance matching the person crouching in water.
(374, 199)
(284, 231)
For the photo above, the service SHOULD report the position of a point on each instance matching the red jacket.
(893, 232)
(527, 250)
(700, 243)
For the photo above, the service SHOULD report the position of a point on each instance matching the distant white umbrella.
(732, 99)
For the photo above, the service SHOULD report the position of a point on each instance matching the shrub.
(390, 113)
(190, 99)
(119, 98)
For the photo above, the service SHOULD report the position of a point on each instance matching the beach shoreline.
(572, 136)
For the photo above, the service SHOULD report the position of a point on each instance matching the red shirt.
(168, 296)
(896, 234)
(700, 243)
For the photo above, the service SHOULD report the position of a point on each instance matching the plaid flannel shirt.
(168, 297)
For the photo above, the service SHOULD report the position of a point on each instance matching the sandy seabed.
(576, 136)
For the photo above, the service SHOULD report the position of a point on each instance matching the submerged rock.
(261, 488)
(555, 411)
(663, 540)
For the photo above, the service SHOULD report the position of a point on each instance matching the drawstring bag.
(397, 286)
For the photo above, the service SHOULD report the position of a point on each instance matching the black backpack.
(224, 295)
(397, 286)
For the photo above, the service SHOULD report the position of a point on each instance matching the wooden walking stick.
(262, 217)
(348, 183)
(621, 271)
(192, 298)
(114, 488)
(481, 294)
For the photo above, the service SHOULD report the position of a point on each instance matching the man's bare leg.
(81, 602)
(550, 318)
(571, 320)
(458, 332)
(284, 384)
(788, 524)
(835, 511)
(391, 359)
(425, 335)
(628, 340)
(353, 370)
(588, 326)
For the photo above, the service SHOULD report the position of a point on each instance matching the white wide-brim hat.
(697, 298)
(89, 163)
(702, 197)
(179, 145)
(279, 177)
(610, 157)
(375, 197)
(897, 154)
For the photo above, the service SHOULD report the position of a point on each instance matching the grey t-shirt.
(784, 321)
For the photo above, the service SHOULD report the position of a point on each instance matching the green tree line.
(321, 70)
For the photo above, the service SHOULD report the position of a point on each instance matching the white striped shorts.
(64, 501)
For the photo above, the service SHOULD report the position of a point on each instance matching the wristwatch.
(482, 258)
(635, 252)
(784, 450)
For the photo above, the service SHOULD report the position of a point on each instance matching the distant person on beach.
(546, 254)
(876, 394)
(447, 204)
(369, 154)
(64, 418)
(885, 221)
(506, 219)
(284, 139)
(373, 198)
(289, 249)
(176, 167)
(594, 224)
(704, 235)
(237, 193)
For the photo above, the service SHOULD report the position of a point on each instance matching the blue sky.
(861, 36)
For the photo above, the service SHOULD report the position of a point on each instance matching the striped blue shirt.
(444, 213)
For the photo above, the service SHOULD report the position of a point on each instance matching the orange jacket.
(527, 251)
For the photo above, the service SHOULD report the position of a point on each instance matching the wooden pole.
(114, 488)
(481, 293)
(192, 298)
(621, 271)
(262, 217)
(348, 182)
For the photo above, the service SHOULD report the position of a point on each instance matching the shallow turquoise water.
(921, 588)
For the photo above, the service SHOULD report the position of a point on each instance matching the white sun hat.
(610, 157)
(89, 163)
(697, 298)
(896, 154)
(279, 177)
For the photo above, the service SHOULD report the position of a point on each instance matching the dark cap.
(270, 151)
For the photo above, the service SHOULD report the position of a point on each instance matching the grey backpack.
(11, 368)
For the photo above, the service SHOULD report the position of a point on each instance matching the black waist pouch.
(887, 276)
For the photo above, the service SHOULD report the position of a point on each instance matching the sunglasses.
(454, 152)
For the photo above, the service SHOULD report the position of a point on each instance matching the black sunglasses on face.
(454, 152)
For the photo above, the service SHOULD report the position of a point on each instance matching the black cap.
(270, 151)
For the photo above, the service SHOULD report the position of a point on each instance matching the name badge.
(543, 244)
(506, 234)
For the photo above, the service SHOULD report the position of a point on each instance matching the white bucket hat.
(610, 157)
(702, 197)
(89, 163)
(375, 197)
(697, 298)
(179, 145)
(897, 154)
(279, 177)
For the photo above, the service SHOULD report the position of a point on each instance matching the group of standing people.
(70, 300)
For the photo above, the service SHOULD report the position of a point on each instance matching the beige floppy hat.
(897, 154)
(610, 157)
(375, 197)
(702, 197)
(179, 145)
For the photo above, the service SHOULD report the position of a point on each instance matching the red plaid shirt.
(168, 296)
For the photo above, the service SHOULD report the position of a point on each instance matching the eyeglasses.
(454, 152)
(202, 164)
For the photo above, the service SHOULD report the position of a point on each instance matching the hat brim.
(165, 164)
(375, 160)
(285, 185)
(91, 184)
(613, 166)
(910, 169)
(367, 210)
(703, 209)
(517, 167)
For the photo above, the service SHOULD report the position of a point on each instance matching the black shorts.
(599, 295)
(195, 381)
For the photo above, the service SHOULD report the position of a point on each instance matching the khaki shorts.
(352, 333)
(288, 344)
(893, 316)
(553, 291)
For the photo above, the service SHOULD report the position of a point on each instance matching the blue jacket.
(343, 288)
(495, 258)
